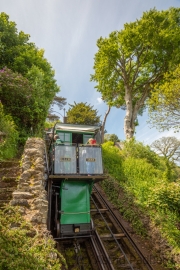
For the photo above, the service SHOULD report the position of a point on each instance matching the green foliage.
(111, 137)
(139, 150)
(141, 177)
(124, 201)
(131, 62)
(22, 247)
(8, 141)
(169, 149)
(59, 101)
(163, 107)
(112, 160)
(165, 196)
(12, 42)
(82, 113)
(138, 188)
(27, 80)
(50, 124)
(16, 95)
(43, 91)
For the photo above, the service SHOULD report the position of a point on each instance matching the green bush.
(140, 189)
(141, 176)
(165, 196)
(22, 247)
(139, 150)
(8, 142)
(112, 160)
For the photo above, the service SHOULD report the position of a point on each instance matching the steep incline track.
(122, 250)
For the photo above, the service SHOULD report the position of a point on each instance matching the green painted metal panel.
(75, 202)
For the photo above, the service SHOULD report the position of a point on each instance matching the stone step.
(7, 189)
(7, 169)
(6, 195)
(8, 164)
(8, 182)
(13, 171)
(9, 172)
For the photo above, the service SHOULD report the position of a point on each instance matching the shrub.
(139, 150)
(8, 143)
(112, 160)
(22, 247)
(165, 196)
(141, 176)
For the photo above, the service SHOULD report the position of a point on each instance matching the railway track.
(85, 253)
(122, 250)
(109, 247)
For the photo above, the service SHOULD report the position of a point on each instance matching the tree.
(131, 62)
(82, 113)
(26, 63)
(53, 117)
(111, 137)
(26, 102)
(59, 101)
(169, 148)
(164, 104)
(12, 43)
(16, 95)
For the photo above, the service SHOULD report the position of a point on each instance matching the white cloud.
(99, 100)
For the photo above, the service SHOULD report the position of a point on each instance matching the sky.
(68, 31)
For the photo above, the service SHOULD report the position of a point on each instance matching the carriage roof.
(76, 128)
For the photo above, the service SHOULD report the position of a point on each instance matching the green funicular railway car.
(74, 166)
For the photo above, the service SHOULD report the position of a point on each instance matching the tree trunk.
(128, 124)
(132, 112)
(103, 124)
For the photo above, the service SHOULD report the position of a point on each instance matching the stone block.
(20, 202)
(22, 195)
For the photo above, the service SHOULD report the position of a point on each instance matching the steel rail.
(127, 260)
(143, 258)
(102, 257)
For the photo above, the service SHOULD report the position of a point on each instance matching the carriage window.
(86, 138)
(61, 136)
(65, 137)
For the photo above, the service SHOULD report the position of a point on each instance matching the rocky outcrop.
(30, 194)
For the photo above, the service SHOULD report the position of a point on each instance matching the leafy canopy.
(26, 76)
(138, 150)
(16, 96)
(131, 62)
(111, 137)
(164, 104)
(82, 113)
(168, 147)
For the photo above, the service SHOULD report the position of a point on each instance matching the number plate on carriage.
(90, 159)
(65, 159)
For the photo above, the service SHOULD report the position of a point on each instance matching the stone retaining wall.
(30, 194)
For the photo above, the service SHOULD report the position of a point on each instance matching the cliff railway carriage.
(74, 166)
